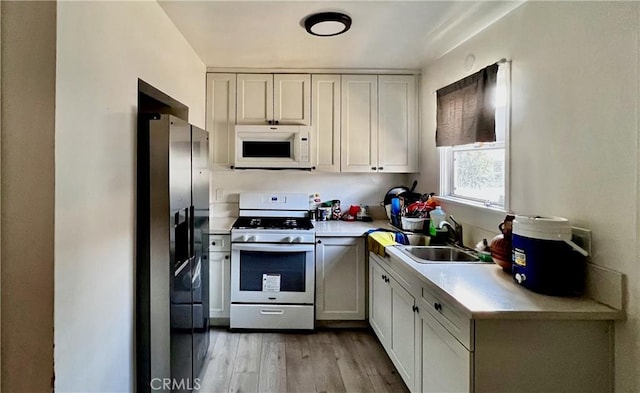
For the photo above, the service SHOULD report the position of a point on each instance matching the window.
(477, 173)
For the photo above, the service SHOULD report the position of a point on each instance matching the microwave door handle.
(285, 247)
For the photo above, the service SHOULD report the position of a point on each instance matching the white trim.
(356, 71)
(446, 160)
(471, 203)
(507, 138)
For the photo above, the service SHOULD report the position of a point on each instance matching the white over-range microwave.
(274, 147)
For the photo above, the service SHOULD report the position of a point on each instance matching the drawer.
(219, 243)
(271, 316)
(393, 267)
(458, 324)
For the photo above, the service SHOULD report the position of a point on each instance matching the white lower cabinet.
(446, 364)
(340, 278)
(379, 302)
(392, 315)
(219, 279)
(404, 347)
(453, 353)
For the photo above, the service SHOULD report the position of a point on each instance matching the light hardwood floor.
(323, 361)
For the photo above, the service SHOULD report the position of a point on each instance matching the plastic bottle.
(436, 217)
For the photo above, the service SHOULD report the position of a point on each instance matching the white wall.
(102, 50)
(349, 188)
(574, 136)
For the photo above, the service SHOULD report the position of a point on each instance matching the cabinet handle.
(270, 121)
(277, 121)
(437, 306)
(415, 308)
(373, 168)
(319, 242)
(380, 168)
(226, 257)
(213, 243)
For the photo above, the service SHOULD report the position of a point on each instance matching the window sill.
(468, 203)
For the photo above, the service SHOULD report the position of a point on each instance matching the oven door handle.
(285, 247)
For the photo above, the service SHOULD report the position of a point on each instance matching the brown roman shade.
(466, 111)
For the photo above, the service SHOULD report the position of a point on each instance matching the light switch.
(219, 194)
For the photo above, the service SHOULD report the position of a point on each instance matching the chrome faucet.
(455, 229)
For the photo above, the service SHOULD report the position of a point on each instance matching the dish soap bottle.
(436, 216)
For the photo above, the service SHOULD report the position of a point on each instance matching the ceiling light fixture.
(327, 24)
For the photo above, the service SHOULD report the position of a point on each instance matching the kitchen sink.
(439, 254)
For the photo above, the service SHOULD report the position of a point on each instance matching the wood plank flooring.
(325, 361)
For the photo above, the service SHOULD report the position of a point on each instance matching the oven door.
(272, 273)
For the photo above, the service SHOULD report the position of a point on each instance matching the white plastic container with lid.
(436, 217)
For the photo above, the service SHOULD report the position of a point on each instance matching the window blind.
(466, 109)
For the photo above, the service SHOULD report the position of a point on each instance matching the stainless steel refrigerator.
(172, 269)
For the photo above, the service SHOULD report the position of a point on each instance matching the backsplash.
(350, 188)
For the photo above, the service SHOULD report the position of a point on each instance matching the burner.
(290, 223)
(255, 223)
(293, 223)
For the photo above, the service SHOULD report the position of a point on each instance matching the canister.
(544, 259)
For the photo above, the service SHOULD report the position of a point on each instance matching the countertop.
(486, 292)
(347, 228)
(221, 225)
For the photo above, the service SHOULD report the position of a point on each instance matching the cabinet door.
(397, 128)
(326, 121)
(446, 364)
(254, 98)
(340, 278)
(403, 348)
(219, 284)
(221, 118)
(379, 303)
(359, 131)
(292, 99)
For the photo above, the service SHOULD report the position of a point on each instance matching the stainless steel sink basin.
(439, 254)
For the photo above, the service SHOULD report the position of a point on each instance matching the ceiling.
(384, 34)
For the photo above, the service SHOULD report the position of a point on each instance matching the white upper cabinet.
(361, 123)
(379, 123)
(397, 125)
(326, 121)
(221, 118)
(274, 99)
(359, 134)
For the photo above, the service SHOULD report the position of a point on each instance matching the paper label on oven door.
(270, 282)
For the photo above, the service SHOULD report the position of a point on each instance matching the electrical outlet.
(582, 237)
(219, 194)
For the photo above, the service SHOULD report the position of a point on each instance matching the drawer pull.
(415, 309)
(213, 243)
(437, 306)
(271, 312)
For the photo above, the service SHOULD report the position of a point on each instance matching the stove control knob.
(289, 239)
(298, 239)
(247, 238)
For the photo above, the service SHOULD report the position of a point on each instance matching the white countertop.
(347, 228)
(486, 292)
(221, 225)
